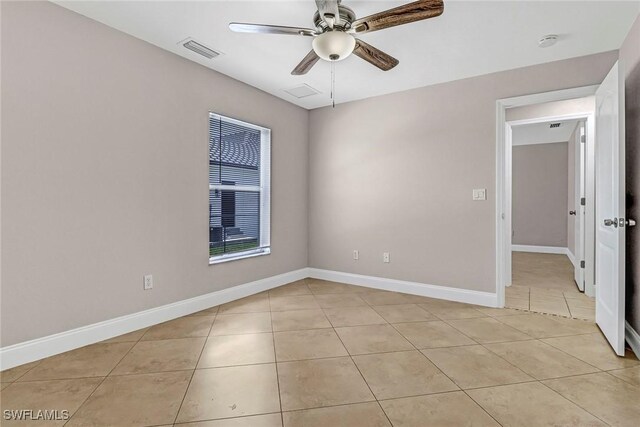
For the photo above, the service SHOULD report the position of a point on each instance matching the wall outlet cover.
(148, 282)
(480, 194)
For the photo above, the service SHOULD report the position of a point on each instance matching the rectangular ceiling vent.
(302, 91)
(199, 48)
(555, 125)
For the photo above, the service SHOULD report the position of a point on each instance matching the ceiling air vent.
(199, 48)
(555, 125)
(302, 91)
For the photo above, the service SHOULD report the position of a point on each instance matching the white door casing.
(610, 208)
(579, 194)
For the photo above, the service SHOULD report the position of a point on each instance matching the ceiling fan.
(336, 27)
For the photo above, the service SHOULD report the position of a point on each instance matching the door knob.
(610, 222)
(572, 212)
(628, 222)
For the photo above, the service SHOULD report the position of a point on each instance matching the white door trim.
(503, 174)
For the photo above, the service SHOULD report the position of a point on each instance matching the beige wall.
(630, 56)
(104, 174)
(540, 183)
(396, 172)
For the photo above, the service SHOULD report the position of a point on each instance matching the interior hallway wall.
(104, 174)
(395, 173)
(540, 184)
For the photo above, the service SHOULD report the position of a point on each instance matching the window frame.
(264, 190)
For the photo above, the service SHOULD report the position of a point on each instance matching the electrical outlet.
(480, 194)
(385, 257)
(148, 282)
(356, 254)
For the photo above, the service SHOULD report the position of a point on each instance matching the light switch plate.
(480, 194)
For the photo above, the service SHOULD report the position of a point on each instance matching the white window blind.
(239, 189)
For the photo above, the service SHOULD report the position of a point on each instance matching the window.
(239, 189)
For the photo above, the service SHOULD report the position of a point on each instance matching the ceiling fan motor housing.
(347, 16)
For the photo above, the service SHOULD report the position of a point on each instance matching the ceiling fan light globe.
(334, 45)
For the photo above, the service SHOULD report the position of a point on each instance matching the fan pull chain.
(333, 84)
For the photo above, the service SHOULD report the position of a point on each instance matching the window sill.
(240, 255)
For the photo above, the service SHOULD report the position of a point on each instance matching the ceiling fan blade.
(374, 56)
(328, 10)
(411, 12)
(240, 27)
(305, 65)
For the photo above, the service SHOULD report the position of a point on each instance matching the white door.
(579, 210)
(610, 208)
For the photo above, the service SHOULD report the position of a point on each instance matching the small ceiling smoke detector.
(302, 91)
(199, 48)
(548, 40)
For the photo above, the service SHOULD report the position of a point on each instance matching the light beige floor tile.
(310, 344)
(579, 296)
(458, 313)
(605, 396)
(246, 323)
(558, 307)
(583, 313)
(295, 288)
(475, 366)
(207, 312)
(252, 304)
(95, 360)
(321, 382)
(293, 302)
(500, 312)
(442, 410)
(321, 287)
(438, 305)
(130, 337)
(233, 350)
(353, 316)
(593, 349)
(517, 303)
(134, 400)
(357, 415)
(581, 302)
(372, 339)
(340, 300)
(546, 293)
(231, 392)
(386, 298)
(161, 356)
(544, 326)
(3, 386)
(540, 360)
(432, 334)
(269, 420)
(182, 327)
(488, 330)
(403, 313)
(402, 374)
(13, 374)
(517, 291)
(630, 375)
(58, 395)
(531, 404)
(296, 320)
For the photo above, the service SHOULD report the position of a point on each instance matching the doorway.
(547, 217)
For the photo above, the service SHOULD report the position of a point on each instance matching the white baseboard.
(540, 249)
(39, 348)
(487, 299)
(572, 258)
(633, 338)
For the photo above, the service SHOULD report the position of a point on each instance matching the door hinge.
(583, 201)
(583, 138)
(582, 264)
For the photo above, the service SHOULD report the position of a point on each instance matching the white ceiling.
(471, 38)
(541, 133)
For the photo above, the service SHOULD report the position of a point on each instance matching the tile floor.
(543, 283)
(315, 353)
